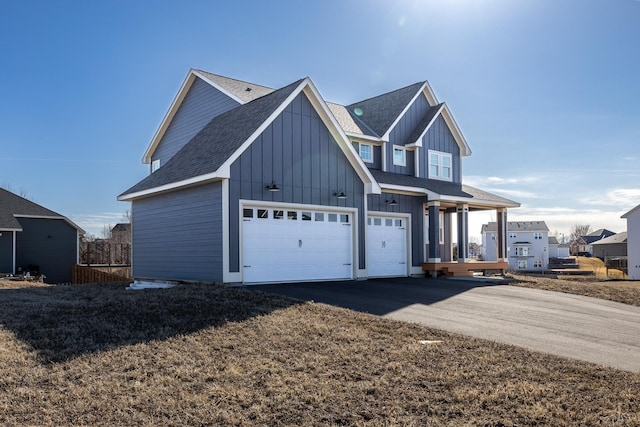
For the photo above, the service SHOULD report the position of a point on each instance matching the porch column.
(446, 252)
(463, 232)
(434, 231)
(501, 241)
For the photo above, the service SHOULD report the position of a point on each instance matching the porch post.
(463, 232)
(434, 231)
(501, 242)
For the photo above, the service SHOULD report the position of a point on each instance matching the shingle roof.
(518, 226)
(12, 205)
(616, 238)
(216, 142)
(246, 91)
(348, 122)
(381, 111)
(443, 188)
(553, 240)
(419, 130)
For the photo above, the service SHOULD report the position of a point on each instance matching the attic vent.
(248, 89)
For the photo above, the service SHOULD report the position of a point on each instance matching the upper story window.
(537, 236)
(440, 165)
(366, 152)
(399, 156)
(155, 165)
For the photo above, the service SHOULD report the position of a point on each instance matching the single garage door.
(386, 246)
(293, 245)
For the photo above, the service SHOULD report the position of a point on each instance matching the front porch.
(464, 269)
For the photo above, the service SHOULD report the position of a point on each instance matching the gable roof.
(631, 212)
(382, 111)
(13, 206)
(553, 240)
(209, 154)
(594, 236)
(518, 226)
(350, 123)
(424, 124)
(241, 91)
(619, 238)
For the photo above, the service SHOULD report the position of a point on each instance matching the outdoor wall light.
(340, 195)
(272, 187)
(391, 202)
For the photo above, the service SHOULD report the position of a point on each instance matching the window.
(366, 153)
(155, 165)
(440, 165)
(512, 235)
(522, 265)
(278, 214)
(399, 156)
(537, 236)
(522, 251)
(247, 213)
(319, 216)
(537, 263)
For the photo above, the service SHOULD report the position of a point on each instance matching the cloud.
(624, 198)
(95, 223)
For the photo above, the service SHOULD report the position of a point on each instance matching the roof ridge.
(231, 78)
(387, 93)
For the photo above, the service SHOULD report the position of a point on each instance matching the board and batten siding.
(405, 204)
(400, 133)
(50, 244)
(6, 252)
(178, 235)
(440, 138)
(298, 153)
(202, 103)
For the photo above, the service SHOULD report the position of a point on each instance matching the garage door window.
(293, 215)
(344, 218)
(263, 213)
(278, 214)
(333, 217)
(319, 216)
(306, 216)
(247, 213)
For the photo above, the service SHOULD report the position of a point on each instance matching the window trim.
(440, 155)
(155, 165)
(367, 160)
(404, 155)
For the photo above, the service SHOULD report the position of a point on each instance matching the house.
(584, 243)
(557, 249)
(34, 238)
(612, 246)
(633, 243)
(249, 184)
(528, 244)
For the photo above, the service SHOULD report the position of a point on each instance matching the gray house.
(35, 238)
(250, 184)
(612, 246)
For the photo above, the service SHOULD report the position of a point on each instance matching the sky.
(546, 92)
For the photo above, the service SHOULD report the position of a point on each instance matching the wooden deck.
(462, 269)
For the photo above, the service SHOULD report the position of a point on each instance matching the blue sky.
(546, 92)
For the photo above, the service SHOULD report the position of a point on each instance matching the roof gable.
(209, 155)
(619, 238)
(631, 212)
(12, 206)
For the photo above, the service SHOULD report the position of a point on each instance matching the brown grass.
(208, 355)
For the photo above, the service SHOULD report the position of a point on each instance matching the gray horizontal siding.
(6, 252)
(50, 244)
(406, 204)
(300, 155)
(440, 138)
(202, 103)
(178, 235)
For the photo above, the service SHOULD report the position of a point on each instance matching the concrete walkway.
(571, 326)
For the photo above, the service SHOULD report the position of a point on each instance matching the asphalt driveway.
(572, 326)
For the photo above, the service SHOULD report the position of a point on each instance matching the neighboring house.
(557, 249)
(585, 243)
(121, 233)
(528, 244)
(250, 184)
(34, 238)
(633, 243)
(612, 246)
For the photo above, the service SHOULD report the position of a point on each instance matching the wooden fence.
(84, 274)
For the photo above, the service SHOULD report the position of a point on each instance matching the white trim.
(217, 86)
(431, 100)
(426, 129)
(201, 179)
(64, 218)
(360, 145)
(465, 150)
(404, 155)
(155, 165)
(299, 206)
(383, 151)
(441, 156)
(416, 160)
(408, 247)
(357, 137)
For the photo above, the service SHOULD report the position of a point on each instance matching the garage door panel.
(386, 246)
(295, 245)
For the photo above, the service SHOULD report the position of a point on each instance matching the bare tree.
(577, 231)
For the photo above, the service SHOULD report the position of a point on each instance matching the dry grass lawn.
(209, 355)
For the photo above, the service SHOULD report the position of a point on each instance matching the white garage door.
(386, 246)
(292, 245)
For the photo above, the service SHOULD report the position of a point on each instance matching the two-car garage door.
(288, 245)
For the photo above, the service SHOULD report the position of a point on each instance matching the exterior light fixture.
(392, 202)
(273, 187)
(340, 195)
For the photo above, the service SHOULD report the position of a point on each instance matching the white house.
(633, 242)
(527, 244)
(557, 249)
